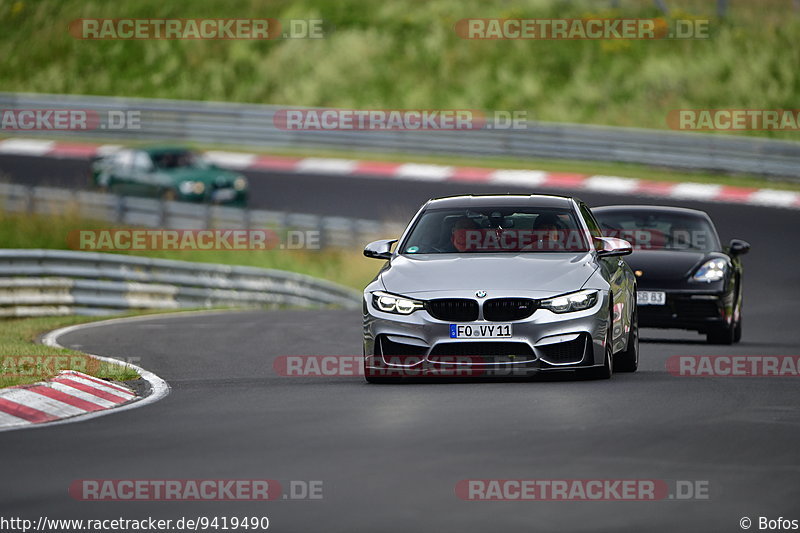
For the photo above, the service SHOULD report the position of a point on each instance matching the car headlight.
(240, 183)
(713, 270)
(576, 301)
(192, 187)
(391, 303)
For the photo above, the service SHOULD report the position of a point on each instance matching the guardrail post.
(207, 216)
(322, 230)
(119, 214)
(30, 200)
(162, 213)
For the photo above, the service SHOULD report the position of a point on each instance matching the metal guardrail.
(252, 125)
(329, 231)
(58, 282)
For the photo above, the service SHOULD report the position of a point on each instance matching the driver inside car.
(548, 232)
(464, 234)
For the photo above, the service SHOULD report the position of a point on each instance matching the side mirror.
(380, 249)
(739, 247)
(611, 246)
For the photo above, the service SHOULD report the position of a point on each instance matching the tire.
(722, 335)
(607, 370)
(628, 361)
(737, 331)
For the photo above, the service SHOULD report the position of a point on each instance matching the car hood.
(551, 273)
(667, 265)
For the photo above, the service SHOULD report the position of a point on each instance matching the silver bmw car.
(500, 285)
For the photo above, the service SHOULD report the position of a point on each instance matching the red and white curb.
(68, 394)
(538, 179)
(72, 396)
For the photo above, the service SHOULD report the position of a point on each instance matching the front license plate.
(480, 331)
(223, 195)
(651, 298)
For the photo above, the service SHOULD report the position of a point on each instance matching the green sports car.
(169, 173)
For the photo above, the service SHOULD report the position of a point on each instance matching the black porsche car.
(685, 278)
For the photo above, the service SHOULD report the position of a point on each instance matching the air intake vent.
(564, 352)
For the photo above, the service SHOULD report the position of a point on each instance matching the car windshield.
(495, 229)
(178, 159)
(654, 230)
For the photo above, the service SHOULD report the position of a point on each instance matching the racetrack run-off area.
(385, 453)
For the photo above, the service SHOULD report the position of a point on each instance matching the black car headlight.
(713, 270)
(392, 303)
(575, 301)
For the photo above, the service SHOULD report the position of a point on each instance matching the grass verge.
(344, 266)
(26, 361)
(406, 54)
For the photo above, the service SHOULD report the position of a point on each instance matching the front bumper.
(420, 345)
(688, 309)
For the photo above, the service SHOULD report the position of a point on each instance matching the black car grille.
(564, 352)
(505, 309)
(453, 309)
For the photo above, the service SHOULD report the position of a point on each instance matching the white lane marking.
(518, 177)
(7, 420)
(124, 395)
(326, 166)
(72, 391)
(773, 197)
(415, 171)
(26, 146)
(42, 403)
(695, 191)
(230, 159)
(612, 184)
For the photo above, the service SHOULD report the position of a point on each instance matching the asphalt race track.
(390, 456)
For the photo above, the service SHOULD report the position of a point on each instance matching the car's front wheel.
(628, 361)
(725, 334)
(607, 370)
